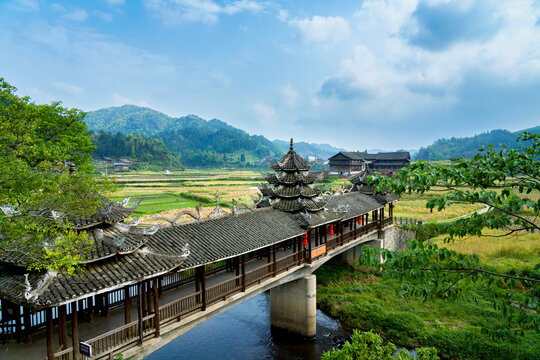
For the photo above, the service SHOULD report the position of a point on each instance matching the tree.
(367, 345)
(37, 145)
(508, 182)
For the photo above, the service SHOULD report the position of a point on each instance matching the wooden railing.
(66, 354)
(287, 262)
(174, 310)
(118, 338)
(224, 289)
(258, 274)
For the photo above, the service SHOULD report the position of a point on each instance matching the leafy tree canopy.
(37, 145)
(507, 181)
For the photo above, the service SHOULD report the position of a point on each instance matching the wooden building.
(349, 163)
(130, 263)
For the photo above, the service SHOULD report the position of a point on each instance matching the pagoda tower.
(291, 186)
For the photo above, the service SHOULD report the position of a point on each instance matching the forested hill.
(199, 142)
(140, 149)
(131, 119)
(467, 147)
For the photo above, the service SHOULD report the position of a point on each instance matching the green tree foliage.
(201, 146)
(508, 182)
(37, 143)
(135, 147)
(466, 147)
(367, 345)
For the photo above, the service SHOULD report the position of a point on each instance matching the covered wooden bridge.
(142, 282)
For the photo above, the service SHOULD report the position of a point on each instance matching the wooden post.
(50, 351)
(91, 309)
(237, 269)
(316, 236)
(62, 330)
(160, 286)
(309, 245)
(18, 325)
(149, 297)
(75, 330)
(27, 325)
(105, 311)
(325, 233)
(156, 308)
(143, 294)
(203, 286)
(275, 259)
(243, 272)
(140, 298)
(127, 305)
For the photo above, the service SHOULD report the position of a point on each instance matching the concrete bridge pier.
(293, 306)
(351, 256)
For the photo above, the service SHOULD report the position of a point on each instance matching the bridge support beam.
(293, 306)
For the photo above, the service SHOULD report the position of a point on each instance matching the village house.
(348, 163)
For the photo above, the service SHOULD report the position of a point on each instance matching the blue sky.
(354, 74)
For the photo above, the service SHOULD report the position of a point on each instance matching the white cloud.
(68, 88)
(26, 5)
(220, 78)
(322, 30)
(76, 15)
(178, 11)
(264, 113)
(289, 95)
(283, 15)
(104, 15)
(119, 100)
(386, 73)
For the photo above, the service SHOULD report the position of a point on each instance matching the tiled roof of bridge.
(210, 240)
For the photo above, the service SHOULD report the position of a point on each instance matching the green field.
(169, 194)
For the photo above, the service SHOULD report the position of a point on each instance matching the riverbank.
(371, 302)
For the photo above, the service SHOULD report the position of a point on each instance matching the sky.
(354, 74)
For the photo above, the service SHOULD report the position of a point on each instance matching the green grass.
(451, 326)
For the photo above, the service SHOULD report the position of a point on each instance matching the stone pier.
(293, 306)
(351, 256)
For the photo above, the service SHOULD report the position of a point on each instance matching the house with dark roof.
(348, 163)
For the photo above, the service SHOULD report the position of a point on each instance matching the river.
(244, 332)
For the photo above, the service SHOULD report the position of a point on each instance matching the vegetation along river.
(244, 332)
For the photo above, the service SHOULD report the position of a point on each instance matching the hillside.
(199, 142)
(138, 148)
(467, 147)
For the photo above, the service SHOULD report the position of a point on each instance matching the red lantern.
(305, 239)
(359, 220)
(331, 229)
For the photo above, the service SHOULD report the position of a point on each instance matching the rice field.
(515, 253)
(167, 195)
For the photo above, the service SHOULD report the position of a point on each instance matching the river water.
(244, 332)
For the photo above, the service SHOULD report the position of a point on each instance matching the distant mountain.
(467, 147)
(304, 149)
(200, 142)
(131, 119)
